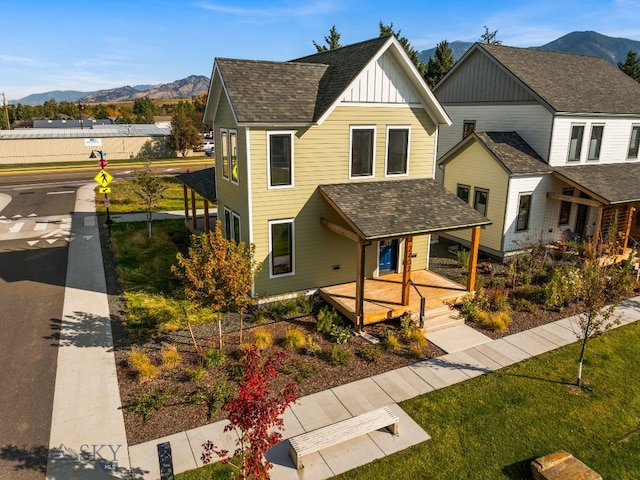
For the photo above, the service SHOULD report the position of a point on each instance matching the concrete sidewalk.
(88, 438)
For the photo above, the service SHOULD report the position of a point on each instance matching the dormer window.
(575, 144)
(634, 142)
(596, 142)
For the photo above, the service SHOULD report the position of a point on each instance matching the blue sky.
(88, 45)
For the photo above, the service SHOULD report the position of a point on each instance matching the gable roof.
(514, 154)
(612, 183)
(201, 181)
(400, 207)
(304, 90)
(564, 82)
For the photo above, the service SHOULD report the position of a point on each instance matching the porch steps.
(441, 317)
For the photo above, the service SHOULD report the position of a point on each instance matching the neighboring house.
(326, 165)
(545, 144)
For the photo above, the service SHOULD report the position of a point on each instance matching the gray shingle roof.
(569, 82)
(613, 182)
(400, 207)
(513, 152)
(202, 182)
(271, 92)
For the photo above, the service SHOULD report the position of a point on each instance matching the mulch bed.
(312, 374)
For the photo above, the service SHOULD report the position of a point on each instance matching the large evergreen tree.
(332, 41)
(490, 37)
(631, 66)
(440, 63)
(386, 30)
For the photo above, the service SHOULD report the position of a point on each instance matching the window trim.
(228, 223)
(637, 128)
(290, 134)
(599, 144)
(233, 132)
(521, 195)
(224, 148)
(475, 192)
(404, 128)
(352, 128)
(237, 237)
(460, 186)
(579, 144)
(464, 127)
(293, 248)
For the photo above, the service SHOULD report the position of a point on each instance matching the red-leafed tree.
(255, 414)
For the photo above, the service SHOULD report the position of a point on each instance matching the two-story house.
(545, 144)
(326, 165)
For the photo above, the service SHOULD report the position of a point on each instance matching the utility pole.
(6, 111)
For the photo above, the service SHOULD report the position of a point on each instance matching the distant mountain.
(586, 43)
(186, 88)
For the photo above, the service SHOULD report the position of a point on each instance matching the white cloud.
(318, 7)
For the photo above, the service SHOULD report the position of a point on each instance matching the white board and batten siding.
(538, 231)
(532, 122)
(382, 81)
(615, 138)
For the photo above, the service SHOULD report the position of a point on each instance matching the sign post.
(104, 179)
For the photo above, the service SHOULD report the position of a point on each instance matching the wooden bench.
(342, 431)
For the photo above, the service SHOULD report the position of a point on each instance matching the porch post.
(193, 211)
(207, 226)
(631, 209)
(406, 269)
(360, 287)
(186, 203)
(473, 259)
(598, 226)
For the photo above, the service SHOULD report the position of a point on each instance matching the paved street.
(34, 235)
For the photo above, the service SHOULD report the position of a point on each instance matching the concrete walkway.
(88, 438)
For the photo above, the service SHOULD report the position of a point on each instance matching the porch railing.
(422, 303)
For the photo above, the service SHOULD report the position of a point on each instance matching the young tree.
(440, 64)
(631, 66)
(255, 415)
(149, 188)
(184, 134)
(218, 273)
(332, 41)
(602, 287)
(386, 30)
(490, 37)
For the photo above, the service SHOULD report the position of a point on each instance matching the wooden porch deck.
(382, 296)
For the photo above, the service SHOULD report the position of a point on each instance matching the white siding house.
(577, 115)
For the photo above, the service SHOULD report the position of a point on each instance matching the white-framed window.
(634, 142)
(481, 200)
(362, 148)
(281, 248)
(595, 143)
(224, 152)
(397, 160)
(228, 232)
(280, 155)
(463, 192)
(575, 143)
(236, 227)
(524, 212)
(565, 207)
(233, 155)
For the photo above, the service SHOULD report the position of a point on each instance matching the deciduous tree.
(184, 134)
(144, 109)
(218, 273)
(149, 188)
(255, 415)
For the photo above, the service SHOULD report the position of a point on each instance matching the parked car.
(206, 146)
(211, 152)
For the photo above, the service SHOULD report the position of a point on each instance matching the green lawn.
(492, 426)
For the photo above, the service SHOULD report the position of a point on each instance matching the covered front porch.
(200, 183)
(376, 212)
(428, 294)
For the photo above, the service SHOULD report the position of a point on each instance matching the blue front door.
(388, 256)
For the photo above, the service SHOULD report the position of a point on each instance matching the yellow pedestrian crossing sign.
(104, 190)
(103, 178)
